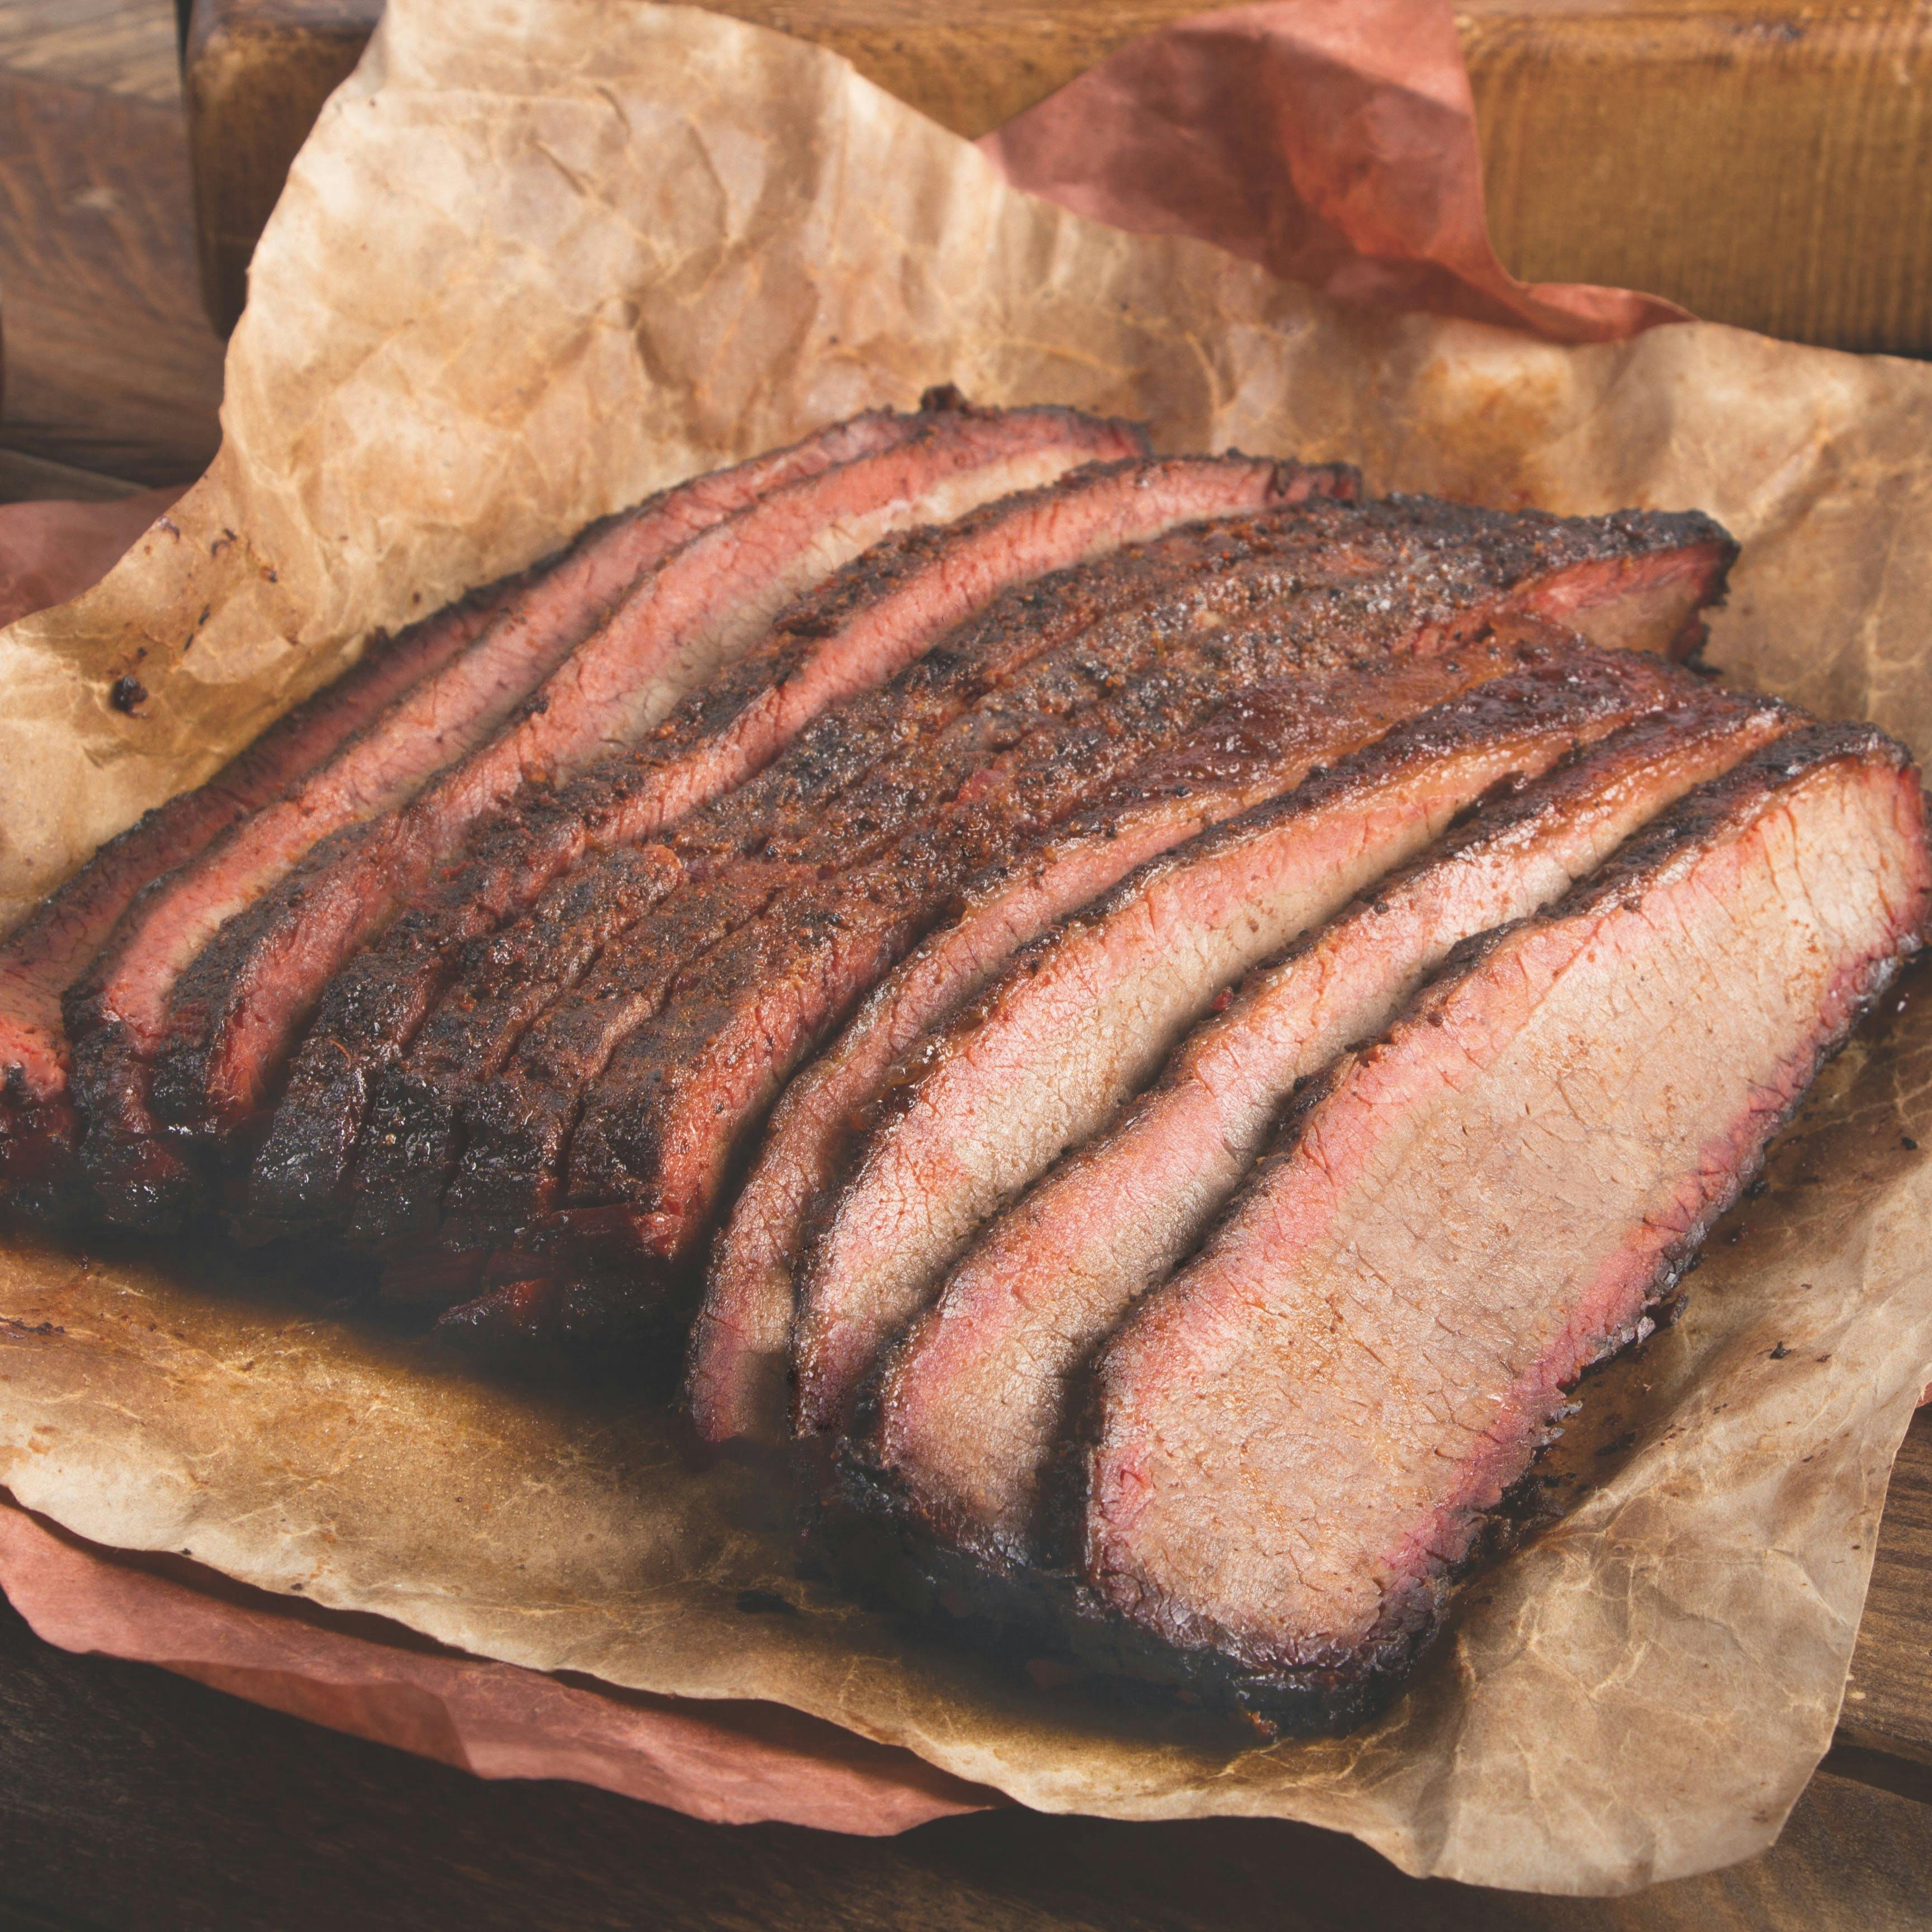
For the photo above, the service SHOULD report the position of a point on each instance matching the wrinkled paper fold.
(540, 258)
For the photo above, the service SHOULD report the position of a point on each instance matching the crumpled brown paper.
(539, 257)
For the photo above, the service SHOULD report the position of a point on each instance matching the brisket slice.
(1083, 1016)
(1297, 1443)
(119, 1016)
(971, 1401)
(505, 981)
(741, 1342)
(887, 608)
(52, 949)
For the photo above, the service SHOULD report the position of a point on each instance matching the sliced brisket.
(700, 576)
(637, 1086)
(507, 980)
(887, 608)
(1083, 1017)
(658, 1132)
(920, 750)
(55, 945)
(972, 1399)
(1296, 1443)
(1467, 566)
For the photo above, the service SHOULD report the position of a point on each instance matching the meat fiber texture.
(456, 349)
(1036, 699)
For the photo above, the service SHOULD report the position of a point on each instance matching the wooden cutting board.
(1769, 164)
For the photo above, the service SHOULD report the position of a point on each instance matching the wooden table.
(113, 375)
(130, 1799)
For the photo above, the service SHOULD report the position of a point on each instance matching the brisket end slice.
(973, 1399)
(1296, 1443)
(1084, 1016)
(1652, 588)
(52, 950)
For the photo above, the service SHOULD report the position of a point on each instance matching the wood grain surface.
(256, 74)
(111, 369)
(1766, 164)
(127, 47)
(1888, 1712)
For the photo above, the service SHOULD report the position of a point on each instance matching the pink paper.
(50, 552)
(1333, 142)
(733, 1764)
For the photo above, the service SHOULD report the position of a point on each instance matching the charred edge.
(1021, 1616)
(40, 1175)
(502, 1304)
(210, 991)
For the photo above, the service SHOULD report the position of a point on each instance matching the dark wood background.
(113, 375)
(132, 1799)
